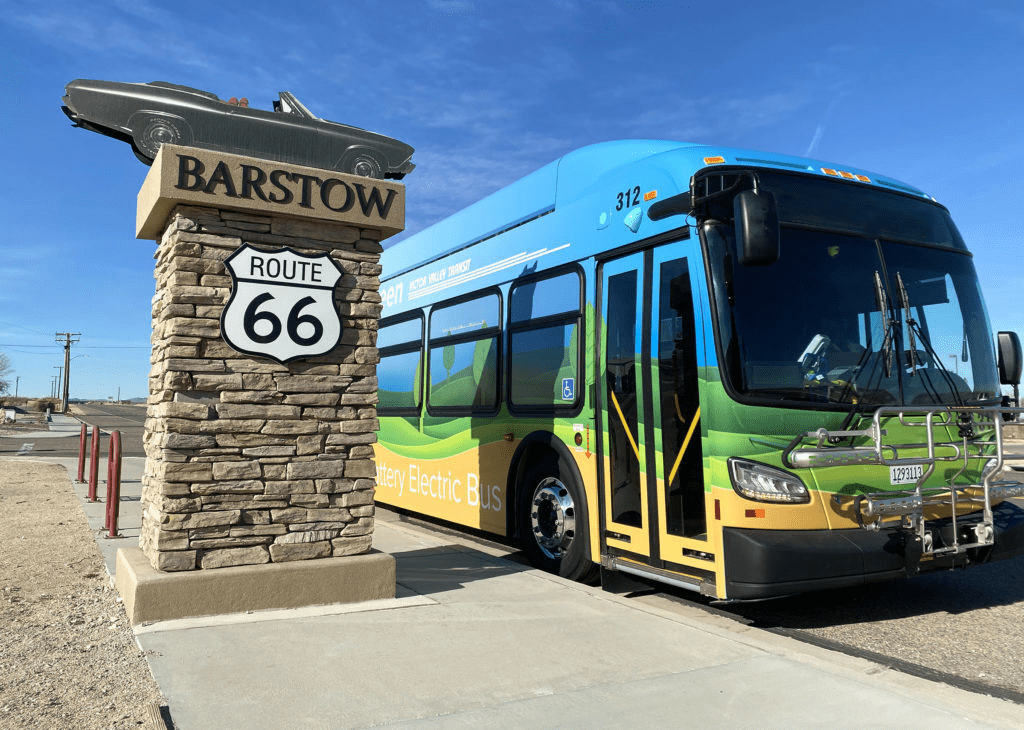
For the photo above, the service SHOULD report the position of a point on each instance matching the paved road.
(128, 419)
(63, 443)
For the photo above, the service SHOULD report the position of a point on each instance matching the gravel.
(68, 657)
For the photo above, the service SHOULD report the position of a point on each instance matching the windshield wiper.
(888, 344)
(912, 328)
(911, 324)
(885, 357)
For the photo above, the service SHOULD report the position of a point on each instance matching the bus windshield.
(852, 318)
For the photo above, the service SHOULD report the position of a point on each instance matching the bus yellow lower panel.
(467, 489)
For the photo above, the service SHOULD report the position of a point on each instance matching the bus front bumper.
(771, 563)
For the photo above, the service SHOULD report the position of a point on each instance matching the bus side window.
(400, 370)
(463, 355)
(545, 318)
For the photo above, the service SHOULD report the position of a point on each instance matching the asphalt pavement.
(61, 438)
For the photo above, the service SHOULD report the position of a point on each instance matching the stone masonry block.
(187, 441)
(363, 526)
(201, 519)
(288, 515)
(248, 411)
(235, 470)
(170, 540)
(254, 555)
(190, 411)
(299, 486)
(241, 486)
(291, 428)
(281, 553)
(327, 469)
(294, 538)
(356, 468)
(342, 546)
(175, 560)
(183, 472)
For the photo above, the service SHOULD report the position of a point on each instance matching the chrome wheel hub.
(553, 517)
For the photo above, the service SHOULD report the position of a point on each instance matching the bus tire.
(553, 520)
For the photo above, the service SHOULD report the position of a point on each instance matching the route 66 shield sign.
(282, 304)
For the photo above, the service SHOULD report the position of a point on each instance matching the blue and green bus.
(741, 373)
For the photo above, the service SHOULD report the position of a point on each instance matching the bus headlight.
(765, 483)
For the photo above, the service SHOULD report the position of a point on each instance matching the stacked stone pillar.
(258, 468)
(250, 461)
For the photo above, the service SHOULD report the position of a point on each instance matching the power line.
(85, 347)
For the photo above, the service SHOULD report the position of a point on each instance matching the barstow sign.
(186, 175)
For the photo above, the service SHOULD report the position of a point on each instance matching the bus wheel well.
(538, 447)
(550, 504)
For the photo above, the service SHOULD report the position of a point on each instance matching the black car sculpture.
(148, 115)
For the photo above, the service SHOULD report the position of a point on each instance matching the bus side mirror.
(757, 227)
(1009, 358)
(1008, 355)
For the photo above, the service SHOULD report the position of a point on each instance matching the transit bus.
(744, 374)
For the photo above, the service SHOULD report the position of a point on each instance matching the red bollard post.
(113, 483)
(81, 454)
(94, 463)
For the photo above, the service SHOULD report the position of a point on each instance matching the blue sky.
(928, 92)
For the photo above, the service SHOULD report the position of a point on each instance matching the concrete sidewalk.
(476, 640)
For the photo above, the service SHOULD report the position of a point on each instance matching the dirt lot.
(68, 658)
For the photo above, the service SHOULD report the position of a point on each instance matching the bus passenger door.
(677, 342)
(626, 521)
(653, 499)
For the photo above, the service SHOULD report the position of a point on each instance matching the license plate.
(905, 474)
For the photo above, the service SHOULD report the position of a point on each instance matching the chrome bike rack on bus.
(980, 441)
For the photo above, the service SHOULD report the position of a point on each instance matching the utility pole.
(60, 375)
(17, 380)
(68, 342)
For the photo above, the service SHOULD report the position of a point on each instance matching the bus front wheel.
(553, 519)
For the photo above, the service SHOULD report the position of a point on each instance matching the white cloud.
(71, 28)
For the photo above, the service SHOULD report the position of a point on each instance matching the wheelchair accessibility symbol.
(568, 388)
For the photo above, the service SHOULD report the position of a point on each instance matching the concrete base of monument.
(152, 595)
